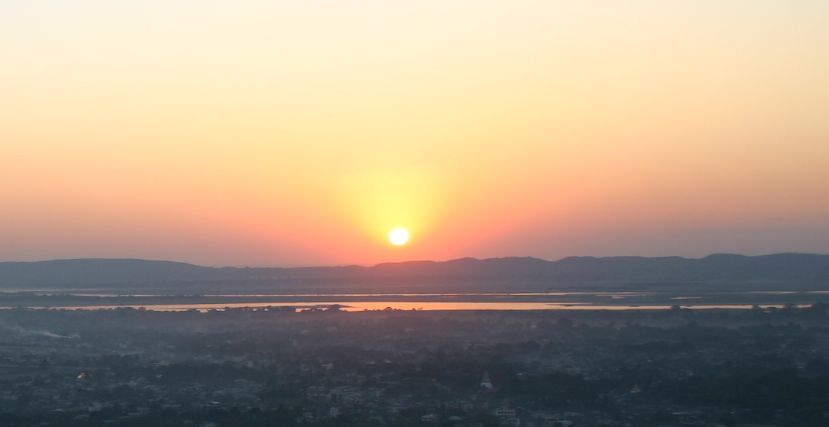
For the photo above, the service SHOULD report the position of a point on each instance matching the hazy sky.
(282, 133)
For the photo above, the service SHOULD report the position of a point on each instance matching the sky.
(299, 133)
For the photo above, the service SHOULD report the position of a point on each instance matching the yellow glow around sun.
(398, 236)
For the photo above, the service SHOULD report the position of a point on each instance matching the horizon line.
(409, 261)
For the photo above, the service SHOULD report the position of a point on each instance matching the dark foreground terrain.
(275, 367)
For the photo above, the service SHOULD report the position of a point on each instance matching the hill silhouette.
(458, 274)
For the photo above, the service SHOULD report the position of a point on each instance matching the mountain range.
(811, 270)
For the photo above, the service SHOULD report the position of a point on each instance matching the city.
(274, 366)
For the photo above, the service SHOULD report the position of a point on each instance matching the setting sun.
(398, 236)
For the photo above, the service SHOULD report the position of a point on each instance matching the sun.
(398, 236)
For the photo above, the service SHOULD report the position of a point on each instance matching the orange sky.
(274, 133)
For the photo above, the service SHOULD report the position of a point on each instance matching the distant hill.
(458, 274)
